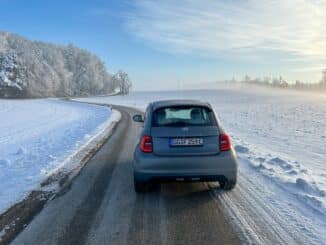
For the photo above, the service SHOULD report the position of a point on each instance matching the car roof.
(167, 103)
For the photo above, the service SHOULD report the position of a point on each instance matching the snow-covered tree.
(247, 79)
(122, 82)
(267, 80)
(11, 75)
(323, 78)
(37, 69)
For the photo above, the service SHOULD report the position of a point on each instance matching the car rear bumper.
(219, 167)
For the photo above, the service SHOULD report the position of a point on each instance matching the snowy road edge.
(16, 218)
(72, 165)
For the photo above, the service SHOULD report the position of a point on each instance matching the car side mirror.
(138, 118)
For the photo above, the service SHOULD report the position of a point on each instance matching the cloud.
(252, 27)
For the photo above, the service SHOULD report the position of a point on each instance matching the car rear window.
(182, 116)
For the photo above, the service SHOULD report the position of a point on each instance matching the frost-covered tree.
(37, 69)
(276, 82)
(298, 84)
(122, 82)
(323, 78)
(267, 80)
(12, 73)
(247, 79)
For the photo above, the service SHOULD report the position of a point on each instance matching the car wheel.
(140, 187)
(228, 184)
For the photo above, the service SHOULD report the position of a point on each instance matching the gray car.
(182, 140)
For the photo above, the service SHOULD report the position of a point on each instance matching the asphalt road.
(101, 207)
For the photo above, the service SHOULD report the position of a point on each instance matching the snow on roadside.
(286, 171)
(280, 138)
(41, 137)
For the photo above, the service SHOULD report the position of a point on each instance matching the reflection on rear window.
(182, 116)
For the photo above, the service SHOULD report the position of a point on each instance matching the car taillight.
(225, 143)
(146, 144)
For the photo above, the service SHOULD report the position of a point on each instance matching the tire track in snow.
(260, 216)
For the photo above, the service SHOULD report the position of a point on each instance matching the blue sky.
(172, 44)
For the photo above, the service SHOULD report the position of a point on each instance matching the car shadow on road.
(180, 213)
(183, 194)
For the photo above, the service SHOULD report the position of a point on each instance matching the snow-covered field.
(280, 138)
(38, 136)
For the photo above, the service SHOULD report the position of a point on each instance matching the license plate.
(186, 142)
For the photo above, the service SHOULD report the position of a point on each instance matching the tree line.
(280, 82)
(31, 69)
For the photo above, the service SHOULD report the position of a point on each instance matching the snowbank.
(40, 137)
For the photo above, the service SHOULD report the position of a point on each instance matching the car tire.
(228, 184)
(140, 187)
